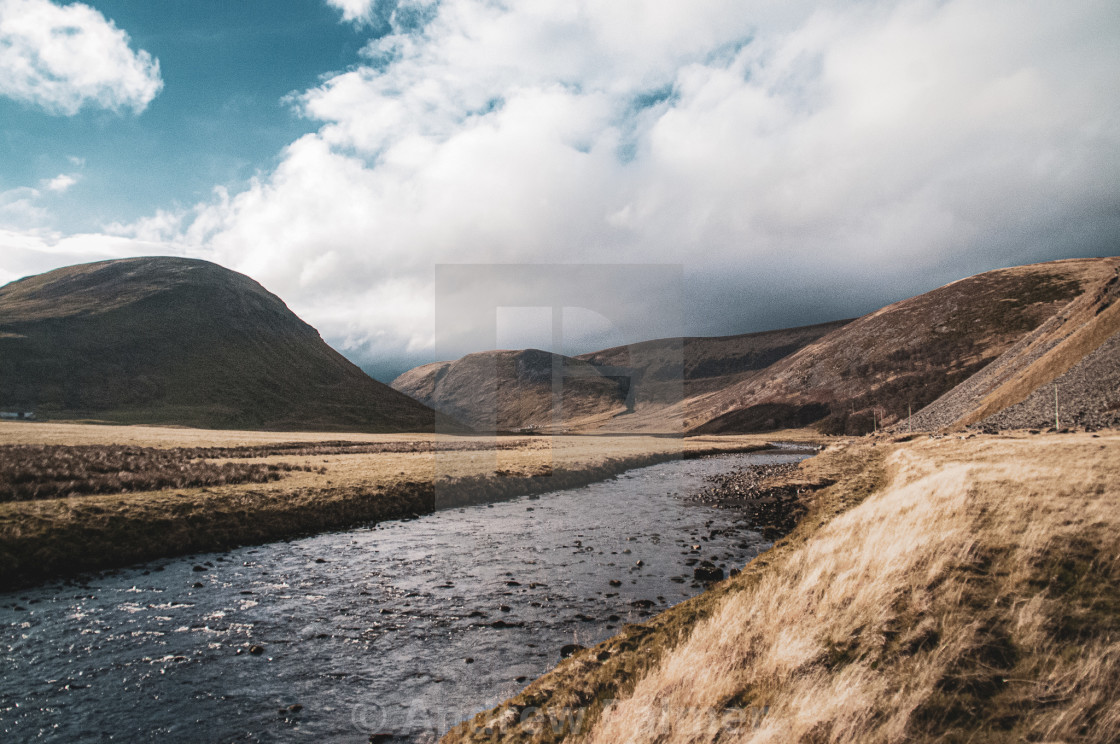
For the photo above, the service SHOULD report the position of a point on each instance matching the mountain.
(180, 341)
(846, 377)
(1072, 361)
(639, 387)
(512, 390)
(666, 375)
(879, 368)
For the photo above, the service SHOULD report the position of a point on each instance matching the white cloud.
(28, 252)
(19, 207)
(60, 183)
(353, 10)
(804, 138)
(62, 58)
(863, 147)
(22, 207)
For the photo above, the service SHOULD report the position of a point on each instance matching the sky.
(796, 161)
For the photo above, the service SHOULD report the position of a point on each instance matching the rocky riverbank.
(766, 492)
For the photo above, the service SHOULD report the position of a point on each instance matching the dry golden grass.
(975, 598)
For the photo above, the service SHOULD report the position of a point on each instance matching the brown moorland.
(513, 390)
(635, 388)
(1078, 349)
(843, 378)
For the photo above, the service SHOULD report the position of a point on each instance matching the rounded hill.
(166, 340)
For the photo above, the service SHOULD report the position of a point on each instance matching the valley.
(956, 356)
(908, 518)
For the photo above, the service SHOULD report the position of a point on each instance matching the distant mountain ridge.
(850, 377)
(638, 387)
(513, 390)
(186, 342)
(705, 363)
(181, 341)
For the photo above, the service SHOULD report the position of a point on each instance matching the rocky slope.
(1077, 348)
(1088, 396)
(180, 341)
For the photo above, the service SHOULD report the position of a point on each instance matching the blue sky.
(220, 117)
(800, 160)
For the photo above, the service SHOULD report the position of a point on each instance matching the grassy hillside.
(180, 341)
(845, 378)
(902, 357)
(940, 590)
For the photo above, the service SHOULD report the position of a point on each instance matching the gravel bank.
(763, 491)
(1088, 396)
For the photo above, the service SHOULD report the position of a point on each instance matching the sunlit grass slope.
(975, 598)
(951, 590)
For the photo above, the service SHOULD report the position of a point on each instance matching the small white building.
(17, 415)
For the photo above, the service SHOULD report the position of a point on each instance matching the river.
(405, 627)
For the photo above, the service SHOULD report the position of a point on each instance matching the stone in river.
(568, 650)
(707, 571)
